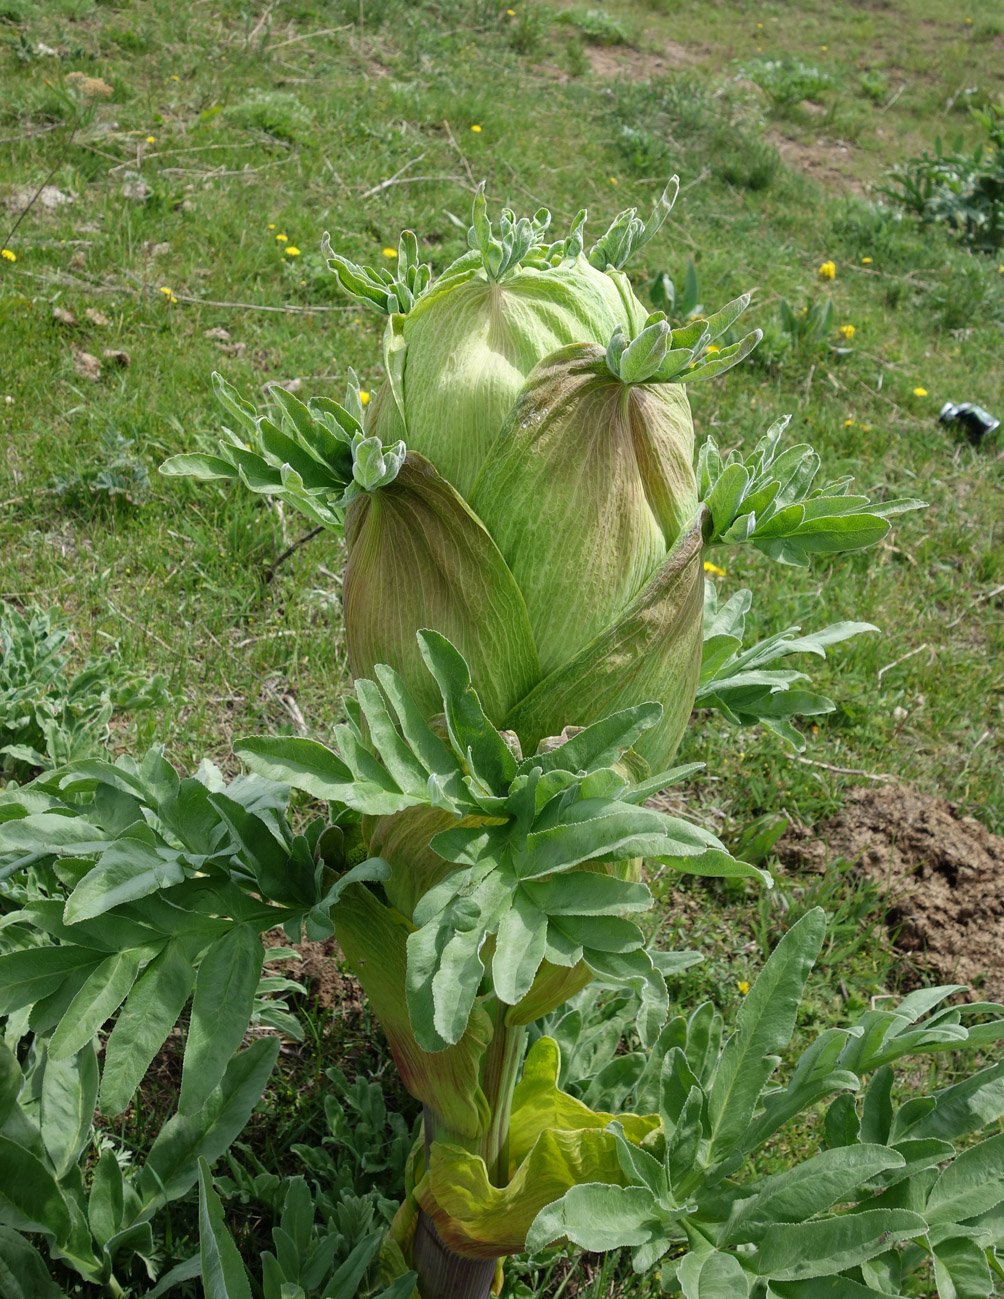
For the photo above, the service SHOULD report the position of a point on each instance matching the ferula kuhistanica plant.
(525, 612)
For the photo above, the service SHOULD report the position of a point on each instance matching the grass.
(228, 127)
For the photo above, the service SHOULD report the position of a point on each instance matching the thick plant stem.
(442, 1274)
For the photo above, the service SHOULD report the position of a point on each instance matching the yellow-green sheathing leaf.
(419, 557)
(652, 651)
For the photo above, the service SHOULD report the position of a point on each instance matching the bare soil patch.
(318, 971)
(610, 61)
(942, 873)
(833, 163)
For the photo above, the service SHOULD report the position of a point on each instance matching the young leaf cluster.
(497, 253)
(302, 1265)
(151, 889)
(535, 820)
(768, 499)
(317, 458)
(389, 291)
(855, 1219)
(739, 683)
(661, 354)
(330, 1221)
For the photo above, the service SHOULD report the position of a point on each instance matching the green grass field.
(189, 159)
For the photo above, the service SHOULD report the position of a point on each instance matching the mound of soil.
(318, 971)
(943, 875)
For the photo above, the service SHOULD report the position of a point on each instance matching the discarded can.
(976, 421)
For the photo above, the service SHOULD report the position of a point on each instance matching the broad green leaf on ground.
(799, 1251)
(712, 1276)
(966, 1106)
(825, 1287)
(171, 1166)
(30, 1199)
(961, 1270)
(225, 988)
(810, 1187)
(223, 1274)
(23, 1272)
(106, 1202)
(150, 1012)
(30, 975)
(103, 992)
(971, 1184)
(132, 867)
(69, 1096)
(596, 1216)
(10, 1081)
(764, 1026)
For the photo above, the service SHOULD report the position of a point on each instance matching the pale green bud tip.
(373, 465)
(642, 358)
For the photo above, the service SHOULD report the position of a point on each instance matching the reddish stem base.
(443, 1274)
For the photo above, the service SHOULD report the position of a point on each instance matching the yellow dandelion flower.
(613, 180)
(175, 78)
(846, 331)
(166, 291)
(283, 239)
(271, 225)
(743, 986)
(7, 255)
(364, 398)
(476, 129)
(827, 271)
(713, 569)
(848, 423)
(511, 13)
(866, 428)
(866, 261)
(920, 392)
(151, 139)
(824, 48)
(389, 252)
(291, 251)
(712, 347)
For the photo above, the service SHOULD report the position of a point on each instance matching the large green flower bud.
(585, 492)
(611, 561)
(469, 346)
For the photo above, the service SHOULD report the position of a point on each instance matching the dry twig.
(463, 156)
(841, 771)
(902, 659)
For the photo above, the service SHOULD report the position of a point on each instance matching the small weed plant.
(962, 189)
(49, 717)
(788, 81)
